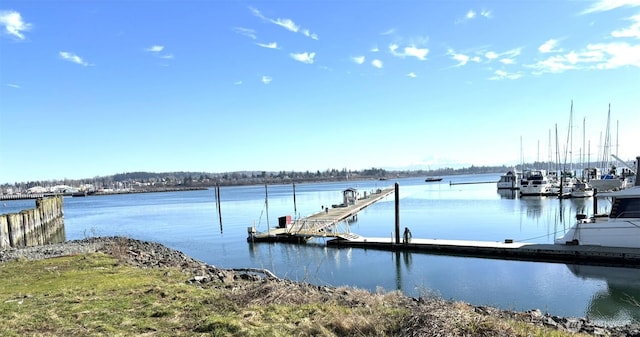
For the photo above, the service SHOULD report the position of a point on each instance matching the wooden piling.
(397, 208)
(44, 224)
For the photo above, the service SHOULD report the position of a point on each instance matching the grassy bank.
(98, 294)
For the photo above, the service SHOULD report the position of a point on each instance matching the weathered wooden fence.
(44, 224)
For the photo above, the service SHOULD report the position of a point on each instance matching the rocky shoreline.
(144, 254)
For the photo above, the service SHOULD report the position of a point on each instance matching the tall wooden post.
(397, 207)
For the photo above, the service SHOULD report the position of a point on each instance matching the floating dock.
(507, 250)
(321, 224)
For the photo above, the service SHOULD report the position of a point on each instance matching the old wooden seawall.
(31, 227)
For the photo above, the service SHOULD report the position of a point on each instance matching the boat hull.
(604, 233)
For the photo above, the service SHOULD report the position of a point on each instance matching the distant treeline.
(205, 179)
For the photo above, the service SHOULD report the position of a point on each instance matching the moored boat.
(535, 183)
(581, 189)
(621, 228)
(509, 181)
(432, 179)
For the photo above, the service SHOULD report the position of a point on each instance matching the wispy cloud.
(503, 75)
(237, 83)
(358, 59)
(462, 59)
(375, 49)
(157, 50)
(412, 50)
(15, 86)
(412, 75)
(71, 57)
(388, 31)
(601, 56)
(13, 24)
(607, 5)
(377, 63)
(470, 15)
(303, 57)
(272, 45)
(287, 24)
(248, 32)
(632, 31)
(266, 79)
(473, 14)
(548, 46)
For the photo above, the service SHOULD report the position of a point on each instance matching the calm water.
(188, 221)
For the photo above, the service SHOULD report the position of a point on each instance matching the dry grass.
(98, 295)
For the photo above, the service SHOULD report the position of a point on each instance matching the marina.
(189, 221)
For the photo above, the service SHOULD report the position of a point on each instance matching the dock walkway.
(321, 224)
(582, 254)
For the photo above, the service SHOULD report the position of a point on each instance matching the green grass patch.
(98, 295)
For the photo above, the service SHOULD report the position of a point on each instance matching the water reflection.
(508, 194)
(620, 300)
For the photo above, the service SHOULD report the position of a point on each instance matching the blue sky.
(92, 88)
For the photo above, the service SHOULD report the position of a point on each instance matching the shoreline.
(144, 254)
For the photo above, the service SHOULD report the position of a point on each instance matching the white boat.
(620, 229)
(509, 181)
(535, 182)
(564, 183)
(604, 182)
(581, 189)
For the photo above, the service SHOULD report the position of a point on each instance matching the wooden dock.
(573, 254)
(321, 224)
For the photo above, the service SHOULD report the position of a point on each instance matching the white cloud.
(486, 13)
(71, 57)
(250, 33)
(266, 79)
(287, 24)
(607, 5)
(615, 55)
(237, 83)
(491, 55)
(600, 56)
(470, 15)
(412, 50)
(13, 24)
(548, 46)
(303, 57)
(503, 75)
(272, 45)
(358, 59)
(412, 75)
(388, 31)
(155, 49)
(631, 31)
(15, 86)
(507, 61)
(377, 63)
(375, 49)
(460, 58)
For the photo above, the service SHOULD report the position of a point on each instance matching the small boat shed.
(349, 196)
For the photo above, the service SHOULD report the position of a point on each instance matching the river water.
(189, 222)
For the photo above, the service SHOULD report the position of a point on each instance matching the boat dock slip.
(594, 255)
(321, 224)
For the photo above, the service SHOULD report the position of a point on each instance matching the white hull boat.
(535, 183)
(509, 181)
(620, 229)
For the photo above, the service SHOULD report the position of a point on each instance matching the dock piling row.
(40, 225)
